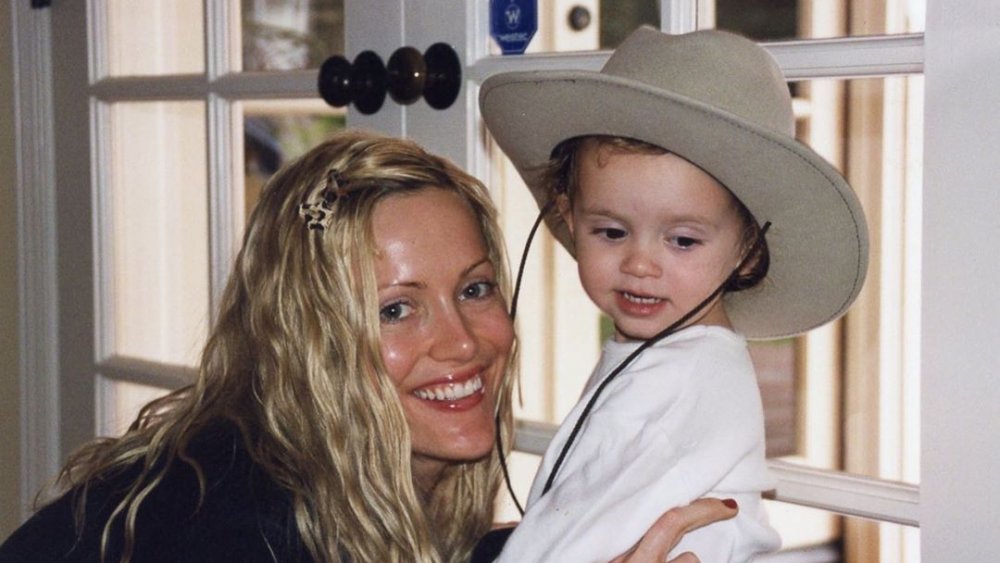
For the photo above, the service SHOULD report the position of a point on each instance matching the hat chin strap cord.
(513, 314)
(674, 327)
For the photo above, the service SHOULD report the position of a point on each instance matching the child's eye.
(478, 290)
(394, 312)
(611, 233)
(684, 242)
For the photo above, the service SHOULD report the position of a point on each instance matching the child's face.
(654, 236)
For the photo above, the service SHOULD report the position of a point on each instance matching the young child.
(687, 203)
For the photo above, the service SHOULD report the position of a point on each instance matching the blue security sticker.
(513, 23)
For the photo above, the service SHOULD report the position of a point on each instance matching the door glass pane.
(603, 24)
(154, 37)
(157, 229)
(619, 19)
(587, 25)
(284, 35)
(872, 131)
(776, 364)
(809, 534)
(275, 132)
(119, 403)
(770, 20)
(522, 467)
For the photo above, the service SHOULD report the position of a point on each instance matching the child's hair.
(561, 177)
(293, 362)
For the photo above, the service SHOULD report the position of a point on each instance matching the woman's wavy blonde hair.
(293, 361)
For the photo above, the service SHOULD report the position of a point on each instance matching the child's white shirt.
(683, 421)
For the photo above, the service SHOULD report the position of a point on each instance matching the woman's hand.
(668, 530)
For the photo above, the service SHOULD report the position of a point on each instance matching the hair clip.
(317, 210)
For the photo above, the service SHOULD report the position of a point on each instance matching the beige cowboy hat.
(720, 101)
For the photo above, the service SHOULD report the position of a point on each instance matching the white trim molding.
(851, 495)
(842, 58)
(37, 266)
(145, 372)
(850, 57)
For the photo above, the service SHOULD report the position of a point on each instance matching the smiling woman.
(446, 335)
(346, 400)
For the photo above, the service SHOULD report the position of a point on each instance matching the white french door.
(198, 113)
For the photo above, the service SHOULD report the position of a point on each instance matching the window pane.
(154, 37)
(587, 25)
(594, 24)
(775, 363)
(769, 20)
(809, 534)
(283, 35)
(522, 469)
(275, 132)
(119, 403)
(158, 231)
(872, 131)
(619, 19)
(560, 330)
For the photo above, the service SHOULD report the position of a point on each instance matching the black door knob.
(437, 75)
(444, 76)
(369, 80)
(407, 75)
(335, 81)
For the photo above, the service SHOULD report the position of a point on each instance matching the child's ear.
(565, 210)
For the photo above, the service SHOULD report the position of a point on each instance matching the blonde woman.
(346, 400)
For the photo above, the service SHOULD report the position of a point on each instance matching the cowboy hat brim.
(818, 240)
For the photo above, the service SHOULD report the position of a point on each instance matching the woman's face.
(446, 336)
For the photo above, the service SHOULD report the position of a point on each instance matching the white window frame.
(960, 58)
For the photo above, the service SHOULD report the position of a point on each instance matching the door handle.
(407, 75)
(436, 75)
(363, 82)
(444, 76)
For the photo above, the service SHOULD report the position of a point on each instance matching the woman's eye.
(394, 312)
(478, 290)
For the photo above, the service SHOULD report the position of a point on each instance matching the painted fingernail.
(730, 503)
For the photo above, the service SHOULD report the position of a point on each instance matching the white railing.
(843, 493)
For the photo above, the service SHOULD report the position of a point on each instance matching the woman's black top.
(244, 515)
(490, 545)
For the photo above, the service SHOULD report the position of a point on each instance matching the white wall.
(959, 492)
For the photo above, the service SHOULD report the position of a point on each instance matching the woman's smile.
(454, 393)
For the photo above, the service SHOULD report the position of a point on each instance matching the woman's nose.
(454, 338)
(640, 262)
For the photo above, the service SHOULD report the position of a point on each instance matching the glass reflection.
(153, 37)
(120, 403)
(810, 534)
(157, 197)
(774, 20)
(283, 35)
(275, 132)
(588, 25)
(619, 19)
